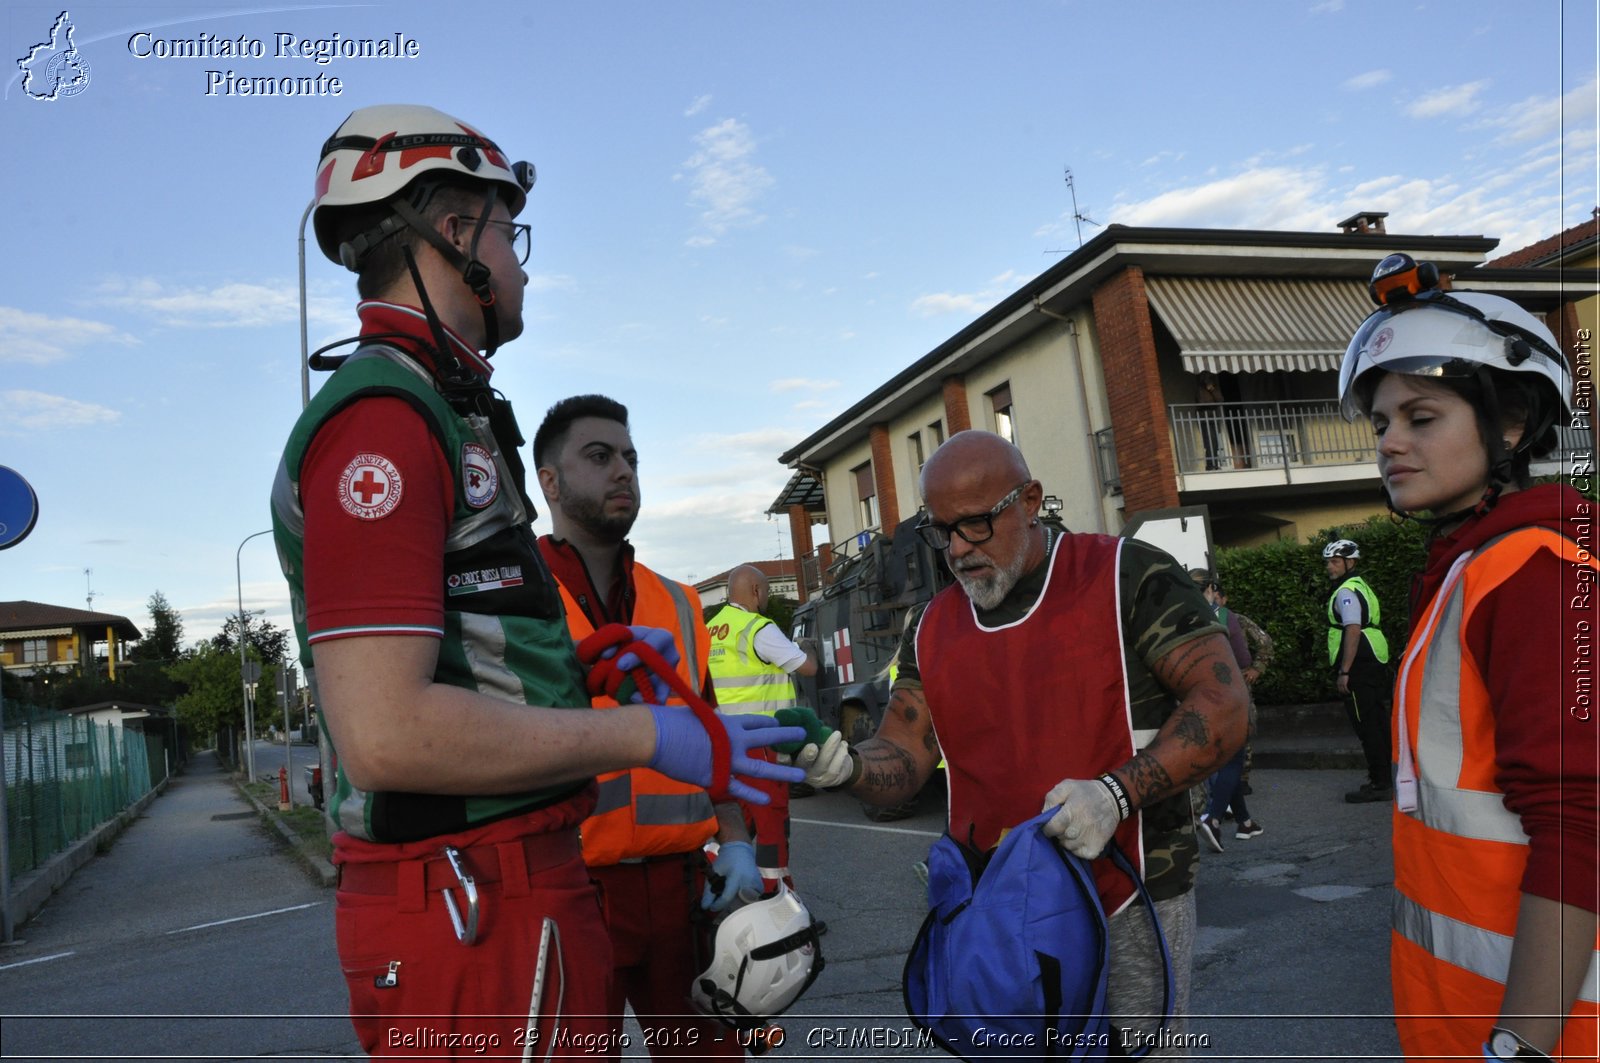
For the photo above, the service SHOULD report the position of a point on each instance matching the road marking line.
(866, 826)
(41, 959)
(245, 918)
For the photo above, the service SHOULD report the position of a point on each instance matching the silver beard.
(988, 592)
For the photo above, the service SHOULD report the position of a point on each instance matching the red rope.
(605, 678)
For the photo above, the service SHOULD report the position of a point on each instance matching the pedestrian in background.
(1260, 647)
(1359, 655)
(1227, 785)
(1495, 948)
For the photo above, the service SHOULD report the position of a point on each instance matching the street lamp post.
(244, 678)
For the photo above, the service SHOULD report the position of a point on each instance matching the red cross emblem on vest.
(369, 487)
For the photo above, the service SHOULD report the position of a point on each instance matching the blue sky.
(747, 216)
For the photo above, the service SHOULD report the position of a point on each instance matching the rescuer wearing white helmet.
(1359, 655)
(1496, 765)
(453, 699)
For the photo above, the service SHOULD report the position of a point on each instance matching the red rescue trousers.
(416, 990)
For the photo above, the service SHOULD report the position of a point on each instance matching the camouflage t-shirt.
(1161, 610)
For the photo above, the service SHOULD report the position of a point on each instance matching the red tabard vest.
(1019, 708)
(642, 812)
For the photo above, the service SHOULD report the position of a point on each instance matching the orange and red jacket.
(1460, 855)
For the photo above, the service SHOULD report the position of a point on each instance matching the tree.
(212, 699)
(163, 640)
(267, 639)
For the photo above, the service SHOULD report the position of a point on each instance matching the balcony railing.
(1266, 435)
(1292, 434)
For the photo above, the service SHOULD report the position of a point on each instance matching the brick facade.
(800, 540)
(883, 479)
(956, 416)
(1133, 391)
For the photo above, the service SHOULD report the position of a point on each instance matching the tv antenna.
(1078, 216)
(89, 590)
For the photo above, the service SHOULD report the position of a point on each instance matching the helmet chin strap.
(474, 273)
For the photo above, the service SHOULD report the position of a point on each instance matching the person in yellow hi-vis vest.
(644, 841)
(752, 669)
(1359, 653)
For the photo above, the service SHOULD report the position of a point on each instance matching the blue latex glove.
(661, 640)
(736, 867)
(683, 749)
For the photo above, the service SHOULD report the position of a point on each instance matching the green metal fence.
(65, 776)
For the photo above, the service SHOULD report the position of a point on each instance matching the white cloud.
(700, 103)
(1369, 80)
(773, 441)
(800, 383)
(1273, 197)
(965, 302)
(1539, 117)
(725, 180)
(236, 304)
(36, 411)
(1450, 100)
(39, 339)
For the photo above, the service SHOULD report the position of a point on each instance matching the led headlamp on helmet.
(1420, 330)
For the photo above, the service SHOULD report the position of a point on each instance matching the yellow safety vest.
(1369, 621)
(744, 682)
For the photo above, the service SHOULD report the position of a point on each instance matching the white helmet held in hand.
(763, 956)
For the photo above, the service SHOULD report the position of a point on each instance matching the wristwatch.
(1503, 1044)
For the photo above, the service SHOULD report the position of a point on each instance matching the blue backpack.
(1011, 960)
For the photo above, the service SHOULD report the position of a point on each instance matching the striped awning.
(1259, 324)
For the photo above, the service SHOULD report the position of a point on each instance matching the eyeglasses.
(975, 529)
(519, 236)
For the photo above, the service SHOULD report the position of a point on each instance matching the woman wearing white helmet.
(1495, 822)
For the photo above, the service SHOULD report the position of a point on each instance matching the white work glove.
(827, 765)
(1087, 819)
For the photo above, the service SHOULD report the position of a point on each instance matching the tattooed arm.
(1205, 730)
(893, 764)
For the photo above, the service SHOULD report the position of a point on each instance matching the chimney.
(1368, 221)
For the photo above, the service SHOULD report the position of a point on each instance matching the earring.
(1034, 523)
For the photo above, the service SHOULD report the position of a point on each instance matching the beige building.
(1148, 370)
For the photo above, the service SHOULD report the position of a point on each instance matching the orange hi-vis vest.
(642, 812)
(1459, 853)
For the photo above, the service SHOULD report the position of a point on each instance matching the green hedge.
(1284, 587)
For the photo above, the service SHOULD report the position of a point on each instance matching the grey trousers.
(1136, 982)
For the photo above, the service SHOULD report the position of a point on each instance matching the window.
(79, 755)
(1005, 423)
(35, 651)
(918, 459)
(866, 496)
(936, 433)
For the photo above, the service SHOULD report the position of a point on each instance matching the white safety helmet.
(1340, 548)
(1422, 331)
(763, 956)
(378, 152)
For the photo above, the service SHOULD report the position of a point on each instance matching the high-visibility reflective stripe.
(1467, 813)
(1471, 948)
(663, 810)
(770, 680)
(615, 792)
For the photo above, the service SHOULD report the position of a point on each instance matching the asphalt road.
(197, 937)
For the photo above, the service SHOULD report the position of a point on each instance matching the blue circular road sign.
(19, 508)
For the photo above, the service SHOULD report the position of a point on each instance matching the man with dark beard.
(644, 842)
(1080, 672)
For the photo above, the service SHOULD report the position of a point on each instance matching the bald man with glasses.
(1078, 672)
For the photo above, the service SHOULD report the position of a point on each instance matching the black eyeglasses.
(519, 234)
(976, 529)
